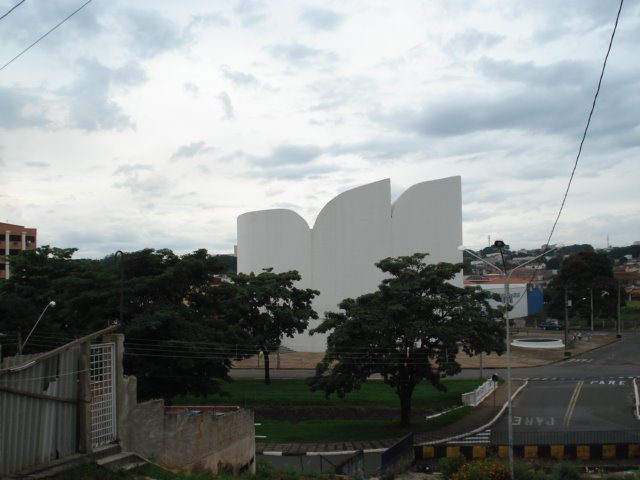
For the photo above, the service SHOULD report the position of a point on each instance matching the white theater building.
(353, 231)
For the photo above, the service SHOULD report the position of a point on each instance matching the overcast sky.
(156, 123)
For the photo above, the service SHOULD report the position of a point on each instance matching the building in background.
(13, 239)
(526, 292)
(353, 231)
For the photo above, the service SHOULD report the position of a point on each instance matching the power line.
(43, 36)
(12, 8)
(584, 135)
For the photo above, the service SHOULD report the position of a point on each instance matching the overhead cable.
(12, 9)
(43, 36)
(586, 128)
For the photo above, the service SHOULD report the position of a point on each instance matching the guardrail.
(479, 394)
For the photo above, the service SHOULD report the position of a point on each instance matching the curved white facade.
(353, 231)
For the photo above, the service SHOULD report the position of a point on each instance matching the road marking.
(572, 403)
(599, 380)
(581, 360)
(480, 438)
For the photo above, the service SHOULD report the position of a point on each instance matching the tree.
(583, 274)
(80, 288)
(177, 334)
(269, 307)
(411, 329)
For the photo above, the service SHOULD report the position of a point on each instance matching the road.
(589, 397)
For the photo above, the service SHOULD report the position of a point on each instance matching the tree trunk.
(405, 394)
(267, 378)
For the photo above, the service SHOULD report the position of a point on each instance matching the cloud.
(338, 91)
(26, 24)
(227, 106)
(38, 164)
(296, 53)
(89, 97)
(250, 12)
(321, 18)
(191, 88)
(563, 73)
(140, 178)
(291, 172)
(287, 162)
(565, 19)
(469, 111)
(289, 154)
(191, 150)
(150, 33)
(20, 109)
(471, 40)
(210, 19)
(239, 78)
(377, 149)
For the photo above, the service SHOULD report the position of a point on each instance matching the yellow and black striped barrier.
(532, 452)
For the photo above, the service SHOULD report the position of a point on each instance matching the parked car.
(550, 326)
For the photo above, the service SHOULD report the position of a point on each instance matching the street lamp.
(506, 275)
(21, 346)
(121, 254)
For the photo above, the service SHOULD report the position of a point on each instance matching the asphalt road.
(590, 396)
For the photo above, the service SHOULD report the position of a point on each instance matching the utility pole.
(566, 319)
(591, 301)
(619, 327)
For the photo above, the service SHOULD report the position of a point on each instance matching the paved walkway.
(481, 416)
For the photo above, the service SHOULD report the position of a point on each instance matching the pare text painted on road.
(611, 383)
(534, 421)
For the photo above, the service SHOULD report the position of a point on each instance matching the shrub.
(524, 471)
(485, 470)
(450, 465)
(565, 471)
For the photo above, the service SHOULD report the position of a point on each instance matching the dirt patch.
(520, 356)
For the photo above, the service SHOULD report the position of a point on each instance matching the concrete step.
(105, 450)
(121, 461)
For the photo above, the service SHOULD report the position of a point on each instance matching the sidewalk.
(481, 416)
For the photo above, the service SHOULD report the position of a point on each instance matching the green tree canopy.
(269, 306)
(583, 274)
(177, 336)
(411, 329)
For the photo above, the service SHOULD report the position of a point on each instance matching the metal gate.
(103, 394)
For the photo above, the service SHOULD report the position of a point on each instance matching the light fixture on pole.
(21, 346)
(506, 275)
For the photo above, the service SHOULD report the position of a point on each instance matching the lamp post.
(121, 254)
(21, 345)
(506, 275)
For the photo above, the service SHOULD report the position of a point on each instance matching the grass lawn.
(340, 424)
(374, 393)
(340, 430)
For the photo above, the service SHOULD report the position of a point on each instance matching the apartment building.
(14, 238)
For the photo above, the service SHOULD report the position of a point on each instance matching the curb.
(479, 429)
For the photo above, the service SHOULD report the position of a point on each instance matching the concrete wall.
(352, 232)
(220, 443)
(224, 443)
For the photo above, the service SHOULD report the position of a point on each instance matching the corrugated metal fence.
(43, 400)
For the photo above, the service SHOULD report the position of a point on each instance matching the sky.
(156, 123)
